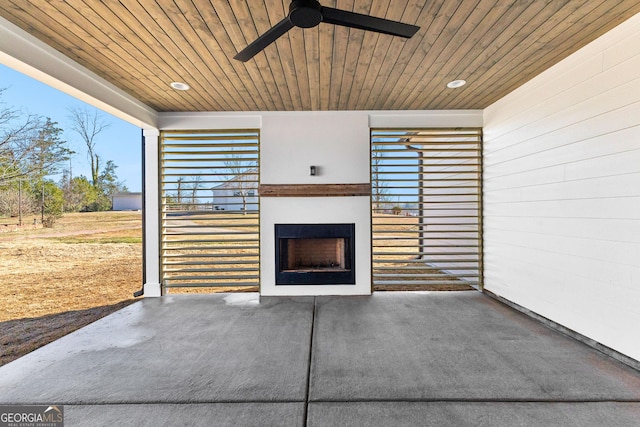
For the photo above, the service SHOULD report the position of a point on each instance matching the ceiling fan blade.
(367, 22)
(264, 40)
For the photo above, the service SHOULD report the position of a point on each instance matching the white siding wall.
(562, 192)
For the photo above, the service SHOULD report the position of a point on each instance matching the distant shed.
(127, 202)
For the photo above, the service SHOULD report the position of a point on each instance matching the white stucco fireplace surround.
(337, 144)
(315, 210)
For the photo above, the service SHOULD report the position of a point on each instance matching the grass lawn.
(56, 280)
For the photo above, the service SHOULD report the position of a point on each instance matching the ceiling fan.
(309, 13)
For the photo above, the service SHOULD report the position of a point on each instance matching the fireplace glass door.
(315, 254)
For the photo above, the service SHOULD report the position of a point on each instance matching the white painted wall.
(336, 142)
(562, 192)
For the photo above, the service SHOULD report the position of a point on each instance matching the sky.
(120, 142)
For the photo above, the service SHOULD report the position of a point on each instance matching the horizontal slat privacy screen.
(210, 208)
(426, 208)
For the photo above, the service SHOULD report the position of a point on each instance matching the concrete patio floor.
(428, 359)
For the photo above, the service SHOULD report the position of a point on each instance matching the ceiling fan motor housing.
(305, 13)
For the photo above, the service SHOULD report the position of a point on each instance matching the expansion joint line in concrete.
(471, 400)
(312, 337)
(157, 402)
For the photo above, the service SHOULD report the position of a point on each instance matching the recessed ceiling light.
(456, 84)
(180, 86)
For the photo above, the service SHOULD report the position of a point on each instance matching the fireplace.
(315, 254)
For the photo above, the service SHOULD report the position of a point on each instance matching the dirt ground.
(57, 280)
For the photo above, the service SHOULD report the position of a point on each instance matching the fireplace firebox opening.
(315, 254)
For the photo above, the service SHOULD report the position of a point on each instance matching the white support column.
(152, 286)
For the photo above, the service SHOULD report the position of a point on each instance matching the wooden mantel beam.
(314, 190)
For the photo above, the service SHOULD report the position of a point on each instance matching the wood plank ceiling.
(143, 45)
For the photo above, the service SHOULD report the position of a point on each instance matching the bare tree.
(379, 190)
(243, 177)
(88, 124)
(18, 143)
(195, 186)
(13, 204)
(180, 188)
